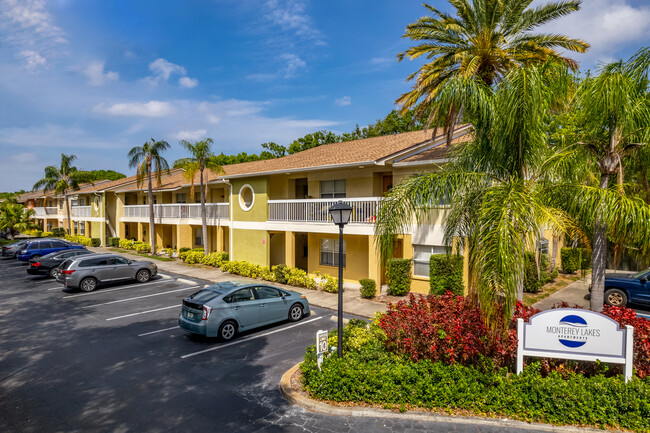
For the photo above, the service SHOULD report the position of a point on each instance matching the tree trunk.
(152, 227)
(556, 240)
(599, 254)
(67, 207)
(204, 223)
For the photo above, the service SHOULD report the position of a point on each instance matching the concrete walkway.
(353, 303)
(576, 293)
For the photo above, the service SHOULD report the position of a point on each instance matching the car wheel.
(54, 272)
(227, 330)
(295, 313)
(142, 276)
(615, 298)
(88, 284)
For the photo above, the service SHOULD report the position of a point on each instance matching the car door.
(101, 270)
(243, 305)
(121, 268)
(639, 289)
(273, 306)
(58, 246)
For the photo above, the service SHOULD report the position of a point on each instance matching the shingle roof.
(438, 152)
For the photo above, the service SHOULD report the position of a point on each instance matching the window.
(198, 236)
(332, 188)
(542, 245)
(118, 261)
(197, 197)
(268, 293)
(329, 252)
(240, 296)
(126, 231)
(76, 227)
(60, 204)
(422, 255)
(57, 244)
(94, 262)
(180, 198)
(246, 197)
(145, 199)
(83, 228)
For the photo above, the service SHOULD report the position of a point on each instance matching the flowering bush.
(215, 259)
(142, 247)
(78, 239)
(125, 244)
(327, 282)
(192, 256)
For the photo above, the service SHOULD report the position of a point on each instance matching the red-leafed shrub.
(445, 328)
(627, 316)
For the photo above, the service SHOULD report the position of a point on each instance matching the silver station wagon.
(223, 309)
(88, 272)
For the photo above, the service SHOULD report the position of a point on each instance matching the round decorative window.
(96, 204)
(246, 197)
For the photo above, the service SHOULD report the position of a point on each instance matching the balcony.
(42, 212)
(364, 210)
(80, 211)
(173, 213)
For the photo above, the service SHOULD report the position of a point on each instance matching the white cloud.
(191, 135)
(30, 15)
(147, 109)
(292, 64)
(342, 102)
(188, 82)
(212, 119)
(32, 60)
(24, 158)
(96, 75)
(291, 15)
(608, 25)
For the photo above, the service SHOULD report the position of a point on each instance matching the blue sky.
(94, 78)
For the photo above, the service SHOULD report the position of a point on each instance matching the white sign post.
(571, 333)
(321, 346)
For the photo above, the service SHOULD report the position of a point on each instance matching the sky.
(94, 78)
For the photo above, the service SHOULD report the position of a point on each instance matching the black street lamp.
(340, 213)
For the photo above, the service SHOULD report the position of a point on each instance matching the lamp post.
(340, 213)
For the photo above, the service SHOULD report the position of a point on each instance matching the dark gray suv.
(88, 272)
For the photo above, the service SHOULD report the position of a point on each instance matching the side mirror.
(130, 262)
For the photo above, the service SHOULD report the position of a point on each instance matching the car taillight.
(37, 264)
(67, 272)
(206, 312)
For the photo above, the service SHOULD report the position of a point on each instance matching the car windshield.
(205, 295)
(66, 264)
(640, 274)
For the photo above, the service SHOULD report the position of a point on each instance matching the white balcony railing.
(364, 210)
(44, 211)
(213, 211)
(80, 211)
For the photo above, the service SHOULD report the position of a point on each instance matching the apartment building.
(276, 211)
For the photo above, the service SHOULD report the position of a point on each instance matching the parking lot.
(115, 360)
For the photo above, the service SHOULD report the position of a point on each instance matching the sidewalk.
(576, 293)
(352, 301)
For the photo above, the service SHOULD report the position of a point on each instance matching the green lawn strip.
(161, 258)
(549, 289)
(372, 376)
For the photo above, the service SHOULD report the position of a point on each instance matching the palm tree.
(15, 218)
(485, 39)
(202, 158)
(614, 112)
(148, 162)
(62, 180)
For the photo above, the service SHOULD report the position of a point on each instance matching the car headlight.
(23, 252)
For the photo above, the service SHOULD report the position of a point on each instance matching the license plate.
(189, 315)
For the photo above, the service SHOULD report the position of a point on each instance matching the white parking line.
(60, 287)
(165, 276)
(99, 292)
(144, 312)
(183, 280)
(140, 297)
(249, 338)
(158, 331)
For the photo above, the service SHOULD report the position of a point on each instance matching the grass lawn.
(149, 256)
(560, 282)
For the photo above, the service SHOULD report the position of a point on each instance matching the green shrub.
(182, 250)
(280, 272)
(142, 247)
(168, 251)
(114, 242)
(570, 259)
(368, 288)
(299, 278)
(192, 256)
(215, 259)
(58, 232)
(125, 243)
(47, 234)
(327, 282)
(249, 270)
(83, 240)
(95, 242)
(446, 274)
(398, 276)
(33, 232)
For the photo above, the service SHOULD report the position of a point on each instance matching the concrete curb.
(311, 405)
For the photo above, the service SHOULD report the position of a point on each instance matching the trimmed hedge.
(58, 232)
(574, 259)
(398, 276)
(446, 274)
(368, 288)
(96, 242)
(114, 242)
(83, 240)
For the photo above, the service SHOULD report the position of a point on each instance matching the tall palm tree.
(62, 180)
(202, 159)
(614, 112)
(484, 39)
(148, 161)
(15, 218)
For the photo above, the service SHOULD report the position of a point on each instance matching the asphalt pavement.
(114, 360)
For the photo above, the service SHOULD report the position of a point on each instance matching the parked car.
(12, 250)
(49, 263)
(41, 247)
(622, 288)
(88, 272)
(223, 309)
